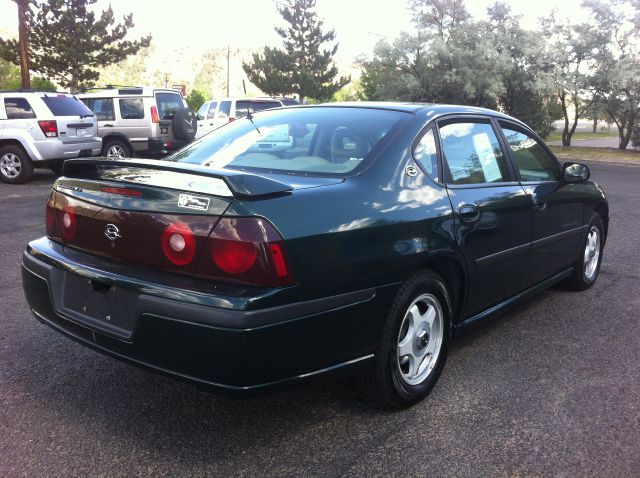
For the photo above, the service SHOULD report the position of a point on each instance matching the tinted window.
(66, 106)
(168, 104)
(472, 153)
(101, 107)
(243, 106)
(312, 140)
(530, 157)
(426, 154)
(131, 108)
(18, 108)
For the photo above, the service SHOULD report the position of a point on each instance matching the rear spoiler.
(238, 183)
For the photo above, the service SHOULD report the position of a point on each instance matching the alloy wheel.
(10, 165)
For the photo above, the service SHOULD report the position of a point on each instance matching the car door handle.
(108, 126)
(538, 203)
(468, 212)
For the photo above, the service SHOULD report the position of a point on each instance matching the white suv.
(214, 114)
(43, 129)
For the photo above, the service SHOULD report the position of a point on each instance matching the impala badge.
(112, 232)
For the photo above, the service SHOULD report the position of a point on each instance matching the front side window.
(168, 104)
(472, 153)
(530, 157)
(426, 154)
(202, 112)
(327, 140)
(18, 108)
(212, 110)
(131, 108)
(101, 107)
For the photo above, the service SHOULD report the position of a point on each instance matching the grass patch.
(557, 135)
(606, 154)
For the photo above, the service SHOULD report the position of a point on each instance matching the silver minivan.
(140, 121)
(43, 129)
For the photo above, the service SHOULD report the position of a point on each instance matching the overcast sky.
(205, 24)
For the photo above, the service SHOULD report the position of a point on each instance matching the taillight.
(49, 128)
(50, 221)
(246, 250)
(67, 222)
(121, 191)
(154, 115)
(231, 118)
(178, 243)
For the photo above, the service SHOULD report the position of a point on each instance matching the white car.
(216, 113)
(43, 129)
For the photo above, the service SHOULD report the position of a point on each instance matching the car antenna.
(249, 115)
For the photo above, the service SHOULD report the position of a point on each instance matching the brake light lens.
(68, 222)
(50, 220)
(154, 115)
(49, 128)
(121, 191)
(178, 243)
(246, 250)
(231, 118)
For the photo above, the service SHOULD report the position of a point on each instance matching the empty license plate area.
(101, 306)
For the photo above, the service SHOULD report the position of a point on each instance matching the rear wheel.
(15, 165)
(586, 270)
(414, 343)
(116, 149)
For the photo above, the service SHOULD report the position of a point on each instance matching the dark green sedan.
(312, 241)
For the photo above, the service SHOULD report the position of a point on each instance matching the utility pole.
(23, 43)
(228, 55)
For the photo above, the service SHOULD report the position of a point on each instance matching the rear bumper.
(61, 149)
(161, 147)
(218, 347)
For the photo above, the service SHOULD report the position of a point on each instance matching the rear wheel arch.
(119, 138)
(453, 273)
(14, 142)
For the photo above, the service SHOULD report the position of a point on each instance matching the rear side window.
(244, 106)
(66, 106)
(472, 153)
(101, 107)
(326, 140)
(225, 109)
(18, 108)
(530, 157)
(131, 108)
(168, 104)
(426, 154)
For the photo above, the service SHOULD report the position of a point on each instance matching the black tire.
(116, 149)
(56, 167)
(185, 124)
(582, 277)
(16, 166)
(386, 383)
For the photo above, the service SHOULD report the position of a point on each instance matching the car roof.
(125, 91)
(425, 108)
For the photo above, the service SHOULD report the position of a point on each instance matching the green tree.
(195, 99)
(304, 67)
(68, 42)
(10, 79)
(616, 77)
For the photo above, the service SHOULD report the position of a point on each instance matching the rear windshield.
(66, 106)
(322, 140)
(168, 104)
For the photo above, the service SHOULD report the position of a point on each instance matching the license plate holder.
(81, 132)
(100, 306)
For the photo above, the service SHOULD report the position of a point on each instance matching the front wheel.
(414, 343)
(587, 268)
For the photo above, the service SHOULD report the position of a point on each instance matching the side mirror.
(575, 172)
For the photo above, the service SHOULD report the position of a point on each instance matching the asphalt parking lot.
(552, 388)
